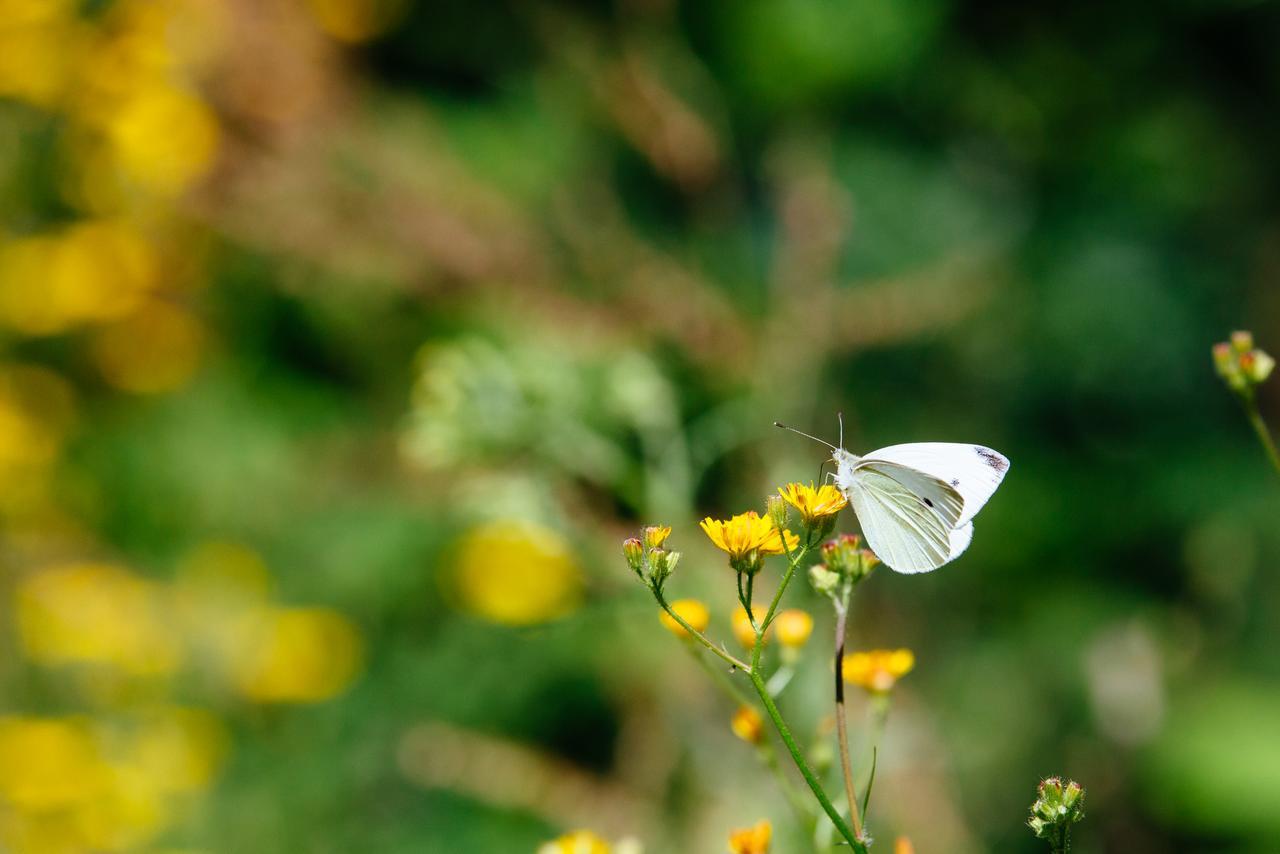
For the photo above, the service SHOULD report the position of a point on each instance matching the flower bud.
(633, 551)
(844, 557)
(823, 580)
(794, 627)
(1256, 366)
(747, 725)
(656, 535)
(663, 563)
(1242, 341)
(692, 611)
(777, 510)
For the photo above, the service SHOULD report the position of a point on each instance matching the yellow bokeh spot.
(576, 842)
(356, 20)
(95, 271)
(95, 614)
(154, 351)
(516, 573)
(36, 410)
(298, 655)
(692, 611)
(39, 44)
(49, 764)
(182, 749)
(164, 138)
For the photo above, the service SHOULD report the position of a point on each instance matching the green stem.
(842, 725)
(699, 636)
(771, 708)
(1260, 427)
(797, 757)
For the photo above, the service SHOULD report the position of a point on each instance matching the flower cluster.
(1059, 804)
(648, 559)
(749, 540)
(1241, 365)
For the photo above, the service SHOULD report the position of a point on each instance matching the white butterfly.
(916, 502)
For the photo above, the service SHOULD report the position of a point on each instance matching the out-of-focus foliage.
(341, 342)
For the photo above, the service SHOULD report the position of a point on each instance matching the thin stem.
(842, 827)
(1260, 427)
(699, 636)
(767, 754)
(792, 563)
(751, 586)
(771, 708)
(842, 726)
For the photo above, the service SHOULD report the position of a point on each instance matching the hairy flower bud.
(823, 580)
(633, 551)
(777, 510)
(1059, 805)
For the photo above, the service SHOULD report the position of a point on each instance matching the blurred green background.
(342, 341)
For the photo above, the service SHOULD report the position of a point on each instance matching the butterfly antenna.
(806, 435)
(840, 419)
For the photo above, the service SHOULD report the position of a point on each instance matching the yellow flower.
(742, 628)
(747, 725)
(878, 670)
(794, 627)
(746, 537)
(693, 612)
(298, 655)
(656, 535)
(902, 845)
(516, 573)
(752, 840)
(815, 506)
(577, 842)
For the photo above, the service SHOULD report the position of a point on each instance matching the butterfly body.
(916, 502)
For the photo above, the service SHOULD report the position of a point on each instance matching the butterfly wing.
(901, 528)
(973, 471)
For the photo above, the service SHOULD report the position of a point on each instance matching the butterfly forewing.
(900, 528)
(933, 493)
(973, 471)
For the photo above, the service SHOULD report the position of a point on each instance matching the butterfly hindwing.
(907, 534)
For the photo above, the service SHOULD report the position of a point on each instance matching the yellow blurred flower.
(516, 573)
(877, 670)
(49, 763)
(156, 350)
(692, 611)
(97, 614)
(793, 627)
(656, 535)
(356, 20)
(740, 623)
(181, 749)
(39, 45)
(902, 845)
(91, 272)
(576, 842)
(814, 505)
(752, 840)
(747, 536)
(36, 411)
(747, 725)
(298, 655)
(163, 138)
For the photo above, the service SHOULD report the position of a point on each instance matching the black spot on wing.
(955, 482)
(927, 501)
(991, 458)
